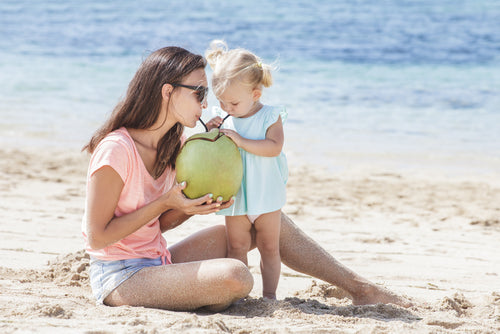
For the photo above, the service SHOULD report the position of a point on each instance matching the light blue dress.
(264, 178)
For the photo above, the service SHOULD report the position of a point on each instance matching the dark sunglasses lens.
(201, 94)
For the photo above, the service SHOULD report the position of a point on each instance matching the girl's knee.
(270, 249)
(239, 246)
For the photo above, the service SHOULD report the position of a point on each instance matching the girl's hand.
(233, 135)
(214, 123)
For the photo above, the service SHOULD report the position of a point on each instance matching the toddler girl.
(238, 79)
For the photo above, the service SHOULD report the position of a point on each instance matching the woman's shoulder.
(117, 145)
(115, 150)
(119, 138)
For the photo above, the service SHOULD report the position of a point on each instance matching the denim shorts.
(105, 276)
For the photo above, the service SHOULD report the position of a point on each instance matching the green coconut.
(209, 163)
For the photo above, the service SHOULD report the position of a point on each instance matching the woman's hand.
(175, 199)
(172, 218)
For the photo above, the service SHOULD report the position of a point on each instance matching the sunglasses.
(201, 92)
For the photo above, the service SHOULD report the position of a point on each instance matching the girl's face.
(185, 106)
(239, 100)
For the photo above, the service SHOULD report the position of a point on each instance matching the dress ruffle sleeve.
(272, 116)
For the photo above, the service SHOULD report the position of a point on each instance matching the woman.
(132, 199)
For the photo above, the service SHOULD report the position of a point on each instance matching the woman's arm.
(269, 147)
(104, 228)
(172, 218)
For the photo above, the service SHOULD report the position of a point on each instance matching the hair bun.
(217, 49)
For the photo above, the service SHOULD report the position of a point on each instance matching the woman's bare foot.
(373, 294)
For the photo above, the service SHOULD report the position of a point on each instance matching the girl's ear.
(256, 94)
(166, 90)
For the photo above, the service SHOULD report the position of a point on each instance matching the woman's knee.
(238, 278)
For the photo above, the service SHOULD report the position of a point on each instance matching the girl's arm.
(104, 228)
(269, 147)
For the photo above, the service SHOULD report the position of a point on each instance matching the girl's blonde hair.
(233, 65)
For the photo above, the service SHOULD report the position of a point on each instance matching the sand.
(432, 238)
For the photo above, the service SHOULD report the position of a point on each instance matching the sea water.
(414, 83)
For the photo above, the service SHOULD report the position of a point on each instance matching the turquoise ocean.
(408, 84)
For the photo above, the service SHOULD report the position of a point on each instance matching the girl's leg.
(239, 237)
(267, 238)
(213, 284)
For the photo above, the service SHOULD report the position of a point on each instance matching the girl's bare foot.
(269, 296)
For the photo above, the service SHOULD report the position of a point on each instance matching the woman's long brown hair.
(141, 106)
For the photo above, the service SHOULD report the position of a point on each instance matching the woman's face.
(185, 105)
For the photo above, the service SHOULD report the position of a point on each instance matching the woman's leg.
(301, 253)
(209, 243)
(213, 284)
